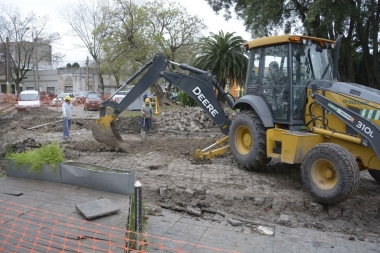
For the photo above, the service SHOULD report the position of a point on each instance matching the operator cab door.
(269, 71)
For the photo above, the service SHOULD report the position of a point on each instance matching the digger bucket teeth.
(105, 131)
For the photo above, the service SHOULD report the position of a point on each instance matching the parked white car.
(57, 101)
(28, 99)
(119, 96)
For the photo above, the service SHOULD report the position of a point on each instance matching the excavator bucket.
(105, 131)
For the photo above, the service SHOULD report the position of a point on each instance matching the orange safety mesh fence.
(28, 229)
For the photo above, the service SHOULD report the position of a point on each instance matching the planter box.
(95, 177)
(79, 174)
(47, 172)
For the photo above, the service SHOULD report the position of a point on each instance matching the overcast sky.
(68, 44)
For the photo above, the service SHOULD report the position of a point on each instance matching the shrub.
(50, 154)
(186, 100)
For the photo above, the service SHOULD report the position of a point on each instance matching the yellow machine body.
(295, 144)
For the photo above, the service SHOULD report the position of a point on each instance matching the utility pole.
(35, 57)
(8, 66)
(87, 78)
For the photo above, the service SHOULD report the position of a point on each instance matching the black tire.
(375, 174)
(247, 139)
(330, 173)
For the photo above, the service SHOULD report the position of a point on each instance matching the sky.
(69, 45)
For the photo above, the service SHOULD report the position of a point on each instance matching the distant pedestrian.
(67, 113)
(145, 96)
(147, 113)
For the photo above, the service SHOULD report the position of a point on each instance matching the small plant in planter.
(50, 154)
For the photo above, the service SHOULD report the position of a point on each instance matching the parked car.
(58, 101)
(28, 99)
(81, 97)
(93, 101)
(173, 96)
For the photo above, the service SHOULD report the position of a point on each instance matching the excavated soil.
(171, 178)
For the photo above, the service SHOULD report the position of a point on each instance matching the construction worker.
(147, 113)
(67, 112)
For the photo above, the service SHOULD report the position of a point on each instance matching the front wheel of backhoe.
(330, 173)
(247, 139)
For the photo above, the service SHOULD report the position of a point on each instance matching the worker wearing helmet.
(147, 113)
(67, 112)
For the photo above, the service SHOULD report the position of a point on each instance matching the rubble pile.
(192, 119)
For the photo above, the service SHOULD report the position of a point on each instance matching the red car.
(93, 101)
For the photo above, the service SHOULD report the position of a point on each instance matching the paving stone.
(234, 222)
(194, 211)
(12, 192)
(259, 201)
(97, 208)
(283, 218)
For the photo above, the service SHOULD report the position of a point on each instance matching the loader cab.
(280, 69)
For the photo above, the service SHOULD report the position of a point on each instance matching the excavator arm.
(200, 85)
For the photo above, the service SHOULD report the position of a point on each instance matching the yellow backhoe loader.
(294, 109)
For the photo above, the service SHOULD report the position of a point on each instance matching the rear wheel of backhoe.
(375, 174)
(247, 139)
(330, 173)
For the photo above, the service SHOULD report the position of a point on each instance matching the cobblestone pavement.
(221, 235)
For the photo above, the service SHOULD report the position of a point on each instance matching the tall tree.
(126, 44)
(358, 20)
(139, 31)
(174, 30)
(85, 17)
(29, 41)
(222, 54)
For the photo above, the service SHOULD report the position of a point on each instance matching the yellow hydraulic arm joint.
(204, 154)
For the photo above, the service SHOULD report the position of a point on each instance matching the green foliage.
(185, 100)
(222, 55)
(75, 65)
(68, 65)
(50, 154)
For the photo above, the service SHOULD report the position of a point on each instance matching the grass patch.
(50, 154)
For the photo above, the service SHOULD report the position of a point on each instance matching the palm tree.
(222, 54)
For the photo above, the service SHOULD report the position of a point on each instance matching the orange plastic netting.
(28, 229)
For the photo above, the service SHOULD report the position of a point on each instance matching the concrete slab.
(11, 192)
(97, 208)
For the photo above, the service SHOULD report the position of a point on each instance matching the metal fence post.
(138, 208)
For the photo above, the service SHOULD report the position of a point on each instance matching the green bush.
(50, 154)
(186, 100)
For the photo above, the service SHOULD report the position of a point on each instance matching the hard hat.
(68, 98)
(147, 100)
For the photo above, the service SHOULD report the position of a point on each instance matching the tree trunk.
(375, 31)
(348, 60)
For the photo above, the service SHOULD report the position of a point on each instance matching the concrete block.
(96, 208)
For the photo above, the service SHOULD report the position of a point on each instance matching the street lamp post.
(8, 66)
(36, 61)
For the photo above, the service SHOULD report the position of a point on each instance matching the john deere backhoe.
(294, 110)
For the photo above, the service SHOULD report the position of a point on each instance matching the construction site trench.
(171, 178)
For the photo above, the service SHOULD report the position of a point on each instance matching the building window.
(50, 90)
(68, 89)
